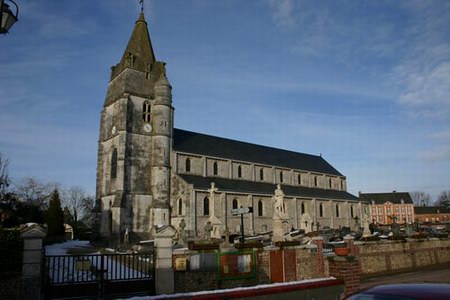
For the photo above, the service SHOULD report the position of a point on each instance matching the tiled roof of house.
(421, 210)
(202, 144)
(380, 198)
(252, 187)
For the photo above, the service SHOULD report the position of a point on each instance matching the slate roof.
(253, 187)
(421, 210)
(380, 198)
(202, 144)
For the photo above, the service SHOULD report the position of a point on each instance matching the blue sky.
(364, 83)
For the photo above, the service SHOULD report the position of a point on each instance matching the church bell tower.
(133, 167)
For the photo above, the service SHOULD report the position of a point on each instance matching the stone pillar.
(318, 241)
(164, 275)
(346, 268)
(32, 262)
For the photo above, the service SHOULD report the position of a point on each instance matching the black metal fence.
(98, 275)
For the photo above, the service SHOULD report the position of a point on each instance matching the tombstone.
(126, 237)
(182, 238)
(366, 230)
(208, 229)
(409, 230)
(395, 229)
(215, 222)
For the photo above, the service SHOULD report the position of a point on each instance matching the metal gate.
(98, 275)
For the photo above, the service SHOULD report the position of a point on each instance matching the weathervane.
(142, 5)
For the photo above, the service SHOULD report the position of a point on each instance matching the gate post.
(164, 275)
(32, 262)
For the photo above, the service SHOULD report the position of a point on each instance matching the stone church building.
(149, 173)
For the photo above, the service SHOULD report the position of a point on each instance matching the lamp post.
(7, 16)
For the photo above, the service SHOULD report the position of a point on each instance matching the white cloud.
(437, 155)
(283, 12)
(441, 136)
(423, 73)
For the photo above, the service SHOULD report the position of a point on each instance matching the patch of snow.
(62, 248)
(193, 294)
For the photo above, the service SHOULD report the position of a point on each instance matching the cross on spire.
(142, 5)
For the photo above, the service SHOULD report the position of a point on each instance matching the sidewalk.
(441, 275)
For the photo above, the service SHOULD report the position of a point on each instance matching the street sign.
(242, 210)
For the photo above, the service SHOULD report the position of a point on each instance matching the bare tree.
(4, 176)
(34, 192)
(88, 207)
(443, 199)
(73, 199)
(420, 198)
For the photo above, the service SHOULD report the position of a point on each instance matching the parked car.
(407, 291)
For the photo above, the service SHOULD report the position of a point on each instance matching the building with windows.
(150, 173)
(385, 208)
(432, 214)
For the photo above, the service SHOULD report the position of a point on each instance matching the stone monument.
(208, 229)
(215, 222)
(280, 217)
(182, 238)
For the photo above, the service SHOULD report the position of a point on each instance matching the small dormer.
(402, 201)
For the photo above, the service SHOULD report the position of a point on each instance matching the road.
(441, 275)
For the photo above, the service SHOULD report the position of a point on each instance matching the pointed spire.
(139, 53)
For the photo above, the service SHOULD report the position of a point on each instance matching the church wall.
(246, 170)
(267, 173)
(180, 190)
(204, 166)
(140, 205)
(197, 166)
(223, 167)
(264, 222)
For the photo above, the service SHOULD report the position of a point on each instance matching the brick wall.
(347, 269)
(398, 256)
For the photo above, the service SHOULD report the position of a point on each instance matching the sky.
(366, 84)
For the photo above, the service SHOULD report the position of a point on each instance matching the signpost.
(241, 211)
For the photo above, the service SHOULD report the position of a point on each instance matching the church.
(150, 173)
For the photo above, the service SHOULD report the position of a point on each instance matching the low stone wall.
(10, 286)
(292, 263)
(399, 256)
(273, 264)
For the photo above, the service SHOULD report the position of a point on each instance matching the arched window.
(146, 112)
(215, 168)
(261, 174)
(206, 206)
(303, 208)
(188, 165)
(235, 203)
(114, 163)
(342, 184)
(281, 176)
(351, 211)
(260, 208)
(239, 171)
(315, 180)
(299, 179)
(330, 183)
(337, 210)
(321, 210)
(180, 207)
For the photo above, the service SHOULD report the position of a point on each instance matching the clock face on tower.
(147, 128)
